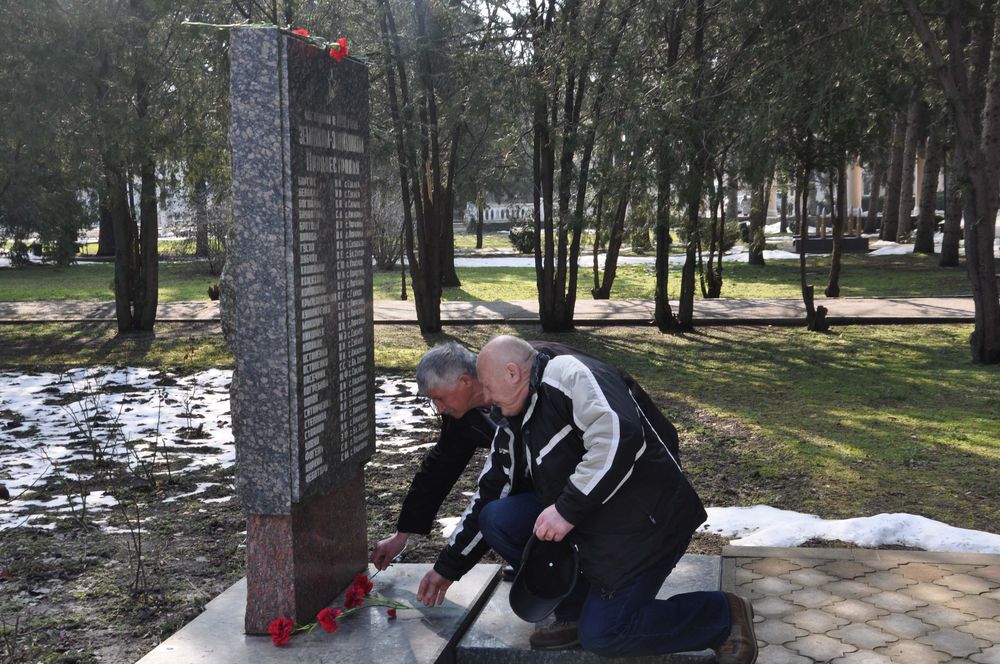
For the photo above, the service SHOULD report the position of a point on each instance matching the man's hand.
(432, 589)
(387, 549)
(550, 525)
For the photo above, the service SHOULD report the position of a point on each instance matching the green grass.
(861, 276)
(179, 281)
(855, 422)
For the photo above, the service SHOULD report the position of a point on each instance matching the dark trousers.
(628, 621)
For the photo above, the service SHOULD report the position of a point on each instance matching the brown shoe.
(740, 647)
(558, 635)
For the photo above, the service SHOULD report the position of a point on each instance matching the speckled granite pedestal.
(499, 637)
(297, 563)
(416, 636)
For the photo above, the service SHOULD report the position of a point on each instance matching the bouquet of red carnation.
(357, 597)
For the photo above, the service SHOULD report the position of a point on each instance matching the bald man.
(577, 456)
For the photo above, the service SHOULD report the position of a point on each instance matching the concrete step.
(497, 636)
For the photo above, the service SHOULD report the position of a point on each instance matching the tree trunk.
(759, 197)
(839, 218)
(890, 212)
(952, 216)
(871, 221)
(106, 232)
(663, 314)
(914, 134)
(201, 218)
(815, 316)
(926, 221)
(783, 202)
(147, 295)
(479, 225)
(126, 247)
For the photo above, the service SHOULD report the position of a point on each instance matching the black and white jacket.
(591, 442)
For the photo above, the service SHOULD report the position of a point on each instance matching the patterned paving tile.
(816, 621)
(953, 642)
(821, 648)
(968, 584)
(922, 572)
(990, 572)
(903, 626)
(773, 607)
(886, 580)
(808, 577)
(942, 616)
(989, 656)
(771, 566)
(856, 589)
(911, 652)
(863, 657)
(865, 637)
(811, 598)
(981, 607)
(983, 629)
(845, 569)
(895, 602)
(781, 655)
(743, 575)
(775, 586)
(856, 610)
(931, 593)
(777, 632)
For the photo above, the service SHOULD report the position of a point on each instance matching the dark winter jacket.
(588, 444)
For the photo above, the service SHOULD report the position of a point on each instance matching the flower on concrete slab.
(357, 597)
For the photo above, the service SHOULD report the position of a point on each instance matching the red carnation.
(355, 597)
(327, 619)
(281, 630)
(339, 50)
(302, 32)
(392, 614)
(364, 583)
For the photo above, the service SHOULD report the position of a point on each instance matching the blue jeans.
(629, 621)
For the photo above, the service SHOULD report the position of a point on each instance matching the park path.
(843, 311)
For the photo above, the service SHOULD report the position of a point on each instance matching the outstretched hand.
(550, 525)
(432, 589)
(386, 550)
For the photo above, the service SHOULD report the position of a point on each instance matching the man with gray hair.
(446, 375)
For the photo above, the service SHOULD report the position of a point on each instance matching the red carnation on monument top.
(302, 32)
(338, 51)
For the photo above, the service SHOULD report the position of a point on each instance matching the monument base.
(419, 635)
(298, 563)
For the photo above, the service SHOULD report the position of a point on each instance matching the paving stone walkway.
(725, 311)
(861, 606)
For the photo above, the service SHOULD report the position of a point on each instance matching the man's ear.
(512, 372)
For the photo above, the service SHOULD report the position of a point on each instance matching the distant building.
(498, 216)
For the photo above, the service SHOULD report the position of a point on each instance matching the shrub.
(522, 237)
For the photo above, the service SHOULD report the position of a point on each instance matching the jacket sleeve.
(602, 410)
(440, 469)
(467, 545)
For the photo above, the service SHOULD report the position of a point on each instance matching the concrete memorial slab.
(419, 635)
(499, 637)
(297, 312)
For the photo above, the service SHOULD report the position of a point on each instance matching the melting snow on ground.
(48, 421)
(50, 424)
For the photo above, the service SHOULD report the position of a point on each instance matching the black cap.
(547, 574)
